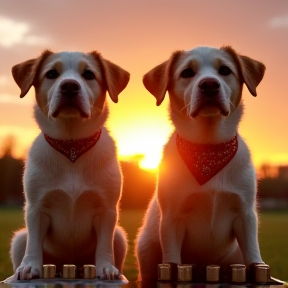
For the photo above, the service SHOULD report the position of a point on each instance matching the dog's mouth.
(210, 109)
(69, 109)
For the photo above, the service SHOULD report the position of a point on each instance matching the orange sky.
(138, 35)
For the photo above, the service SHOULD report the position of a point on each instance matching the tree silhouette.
(138, 186)
(11, 169)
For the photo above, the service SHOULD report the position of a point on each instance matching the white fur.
(215, 223)
(71, 209)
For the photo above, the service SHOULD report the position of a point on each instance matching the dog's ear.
(115, 77)
(156, 81)
(25, 72)
(252, 71)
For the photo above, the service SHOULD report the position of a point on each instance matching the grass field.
(273, 238)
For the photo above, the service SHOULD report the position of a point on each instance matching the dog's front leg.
(246, 231)
(37, 224)
(171, 238)
(105, 227)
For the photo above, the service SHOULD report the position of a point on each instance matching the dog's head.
(204, 81)
(70, 84)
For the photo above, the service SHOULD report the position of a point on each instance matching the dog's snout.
(209, 85)
(70, 88)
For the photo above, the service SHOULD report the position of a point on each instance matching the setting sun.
(151, 131)
(150, 161)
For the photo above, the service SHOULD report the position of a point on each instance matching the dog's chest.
(211, 207)
(209, 216)
(70, 217)
(71, 178)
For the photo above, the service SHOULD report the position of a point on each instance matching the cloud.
(279, 22)
(13, 33)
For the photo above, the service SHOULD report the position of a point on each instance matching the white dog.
(72, 180)
(204, 209)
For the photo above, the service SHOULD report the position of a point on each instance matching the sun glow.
(145, 135)
(145, 148)
(150, 161)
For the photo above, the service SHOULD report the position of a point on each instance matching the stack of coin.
(69, 271)
(261, 273)
(167, 271)
(185, 272)
(238, 273)
(49, 271)
(89, 271)
(212, 273)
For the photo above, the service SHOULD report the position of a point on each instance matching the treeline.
(138, 185)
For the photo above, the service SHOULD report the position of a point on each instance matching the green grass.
(131, 220)
(10, 220)
(273, 238)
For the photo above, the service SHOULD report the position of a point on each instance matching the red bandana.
(73, 149)
(205, 160)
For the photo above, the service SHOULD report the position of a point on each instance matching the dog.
(72, 181)
(204, 209)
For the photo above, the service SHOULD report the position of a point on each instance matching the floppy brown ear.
(25, 72)
(156, 80)
(252, 71)
(116, 78)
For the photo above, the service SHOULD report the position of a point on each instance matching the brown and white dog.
(204, 209)
(72, 180)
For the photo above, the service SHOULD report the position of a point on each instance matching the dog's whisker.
(231, 104)
(182, 110)
(185, 106)
(96, 109)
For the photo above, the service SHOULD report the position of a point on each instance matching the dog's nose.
(70, 88)
(209, 86)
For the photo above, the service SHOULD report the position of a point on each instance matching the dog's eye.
(88, 75)
(187, 73)
(52, 74)
(224, 70)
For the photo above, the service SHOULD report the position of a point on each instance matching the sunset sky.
(138, 35)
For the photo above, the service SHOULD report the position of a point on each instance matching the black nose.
(69, 88)
(209, 86)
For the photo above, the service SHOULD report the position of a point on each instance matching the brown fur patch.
(251, 71)
(25, 73)
(116, 78)
(157, 80)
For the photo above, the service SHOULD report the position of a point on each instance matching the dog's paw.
(28, 271)
(107, 271)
